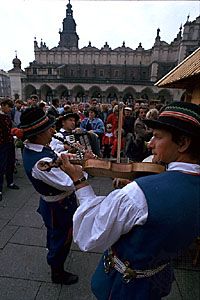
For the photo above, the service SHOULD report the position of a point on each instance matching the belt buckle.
(129, 274)
(108, 263)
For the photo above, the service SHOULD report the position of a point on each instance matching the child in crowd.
(107, 141)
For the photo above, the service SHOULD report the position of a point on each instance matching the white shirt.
(55, 177)
(101, 220)
(56, 145)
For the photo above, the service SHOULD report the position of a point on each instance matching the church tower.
(16, 75)
(68, 36)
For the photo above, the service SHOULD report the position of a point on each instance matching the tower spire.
(68, 35)
(158, 34)
(69, 11)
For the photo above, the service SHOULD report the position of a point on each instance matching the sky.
(97, 21)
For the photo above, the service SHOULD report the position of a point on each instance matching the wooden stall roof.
(183, 75)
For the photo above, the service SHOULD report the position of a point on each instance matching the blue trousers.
(57, 217)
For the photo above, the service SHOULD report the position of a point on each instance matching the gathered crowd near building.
(79, 74)
(108, 101)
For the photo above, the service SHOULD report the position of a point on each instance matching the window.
(116, 73)
(72, 72)
(86, 73)
(34, 71)
(101, 73)
(49, 71)
(144, 75)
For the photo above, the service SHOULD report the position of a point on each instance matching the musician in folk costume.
(143, 225)
(69, 133)
(56, 189)
(68, 124)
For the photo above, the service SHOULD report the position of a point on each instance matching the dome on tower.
(16, 65)
(16, 62)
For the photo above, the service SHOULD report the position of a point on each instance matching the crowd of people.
(140, 226)
(100, 119)
(97, 122)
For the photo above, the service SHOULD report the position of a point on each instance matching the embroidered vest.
(30, 158)
(173, 200)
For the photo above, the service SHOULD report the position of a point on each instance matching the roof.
(182, 76)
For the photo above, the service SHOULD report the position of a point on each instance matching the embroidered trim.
(36, 125)
(33, 123)
(183, 110)
(180, 116)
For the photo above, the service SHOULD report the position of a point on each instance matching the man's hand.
(119, 183)
(74, 171)
(78, 130)
(68, 148)
(89, 155)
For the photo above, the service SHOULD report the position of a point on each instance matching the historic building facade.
(4, 84)
(73, 73)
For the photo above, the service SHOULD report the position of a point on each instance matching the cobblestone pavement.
(24, 274)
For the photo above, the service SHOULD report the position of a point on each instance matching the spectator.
(103, 112)
(95, 127)
(136, 148)
(113, 104)
(129, 120)
(93, 124)
(107, 141)
(7, 147)
(113, 118)
(53, 110)
(152, 114)
(34, 99)
(136, 109)
(43, 105)
(66, 109)
(74, 108)
(16, 112)
(95, 104)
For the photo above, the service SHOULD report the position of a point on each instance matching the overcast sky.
(97, 21)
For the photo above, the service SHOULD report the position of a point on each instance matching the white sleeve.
(99, 221)
(55, 177)
(57, 145)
